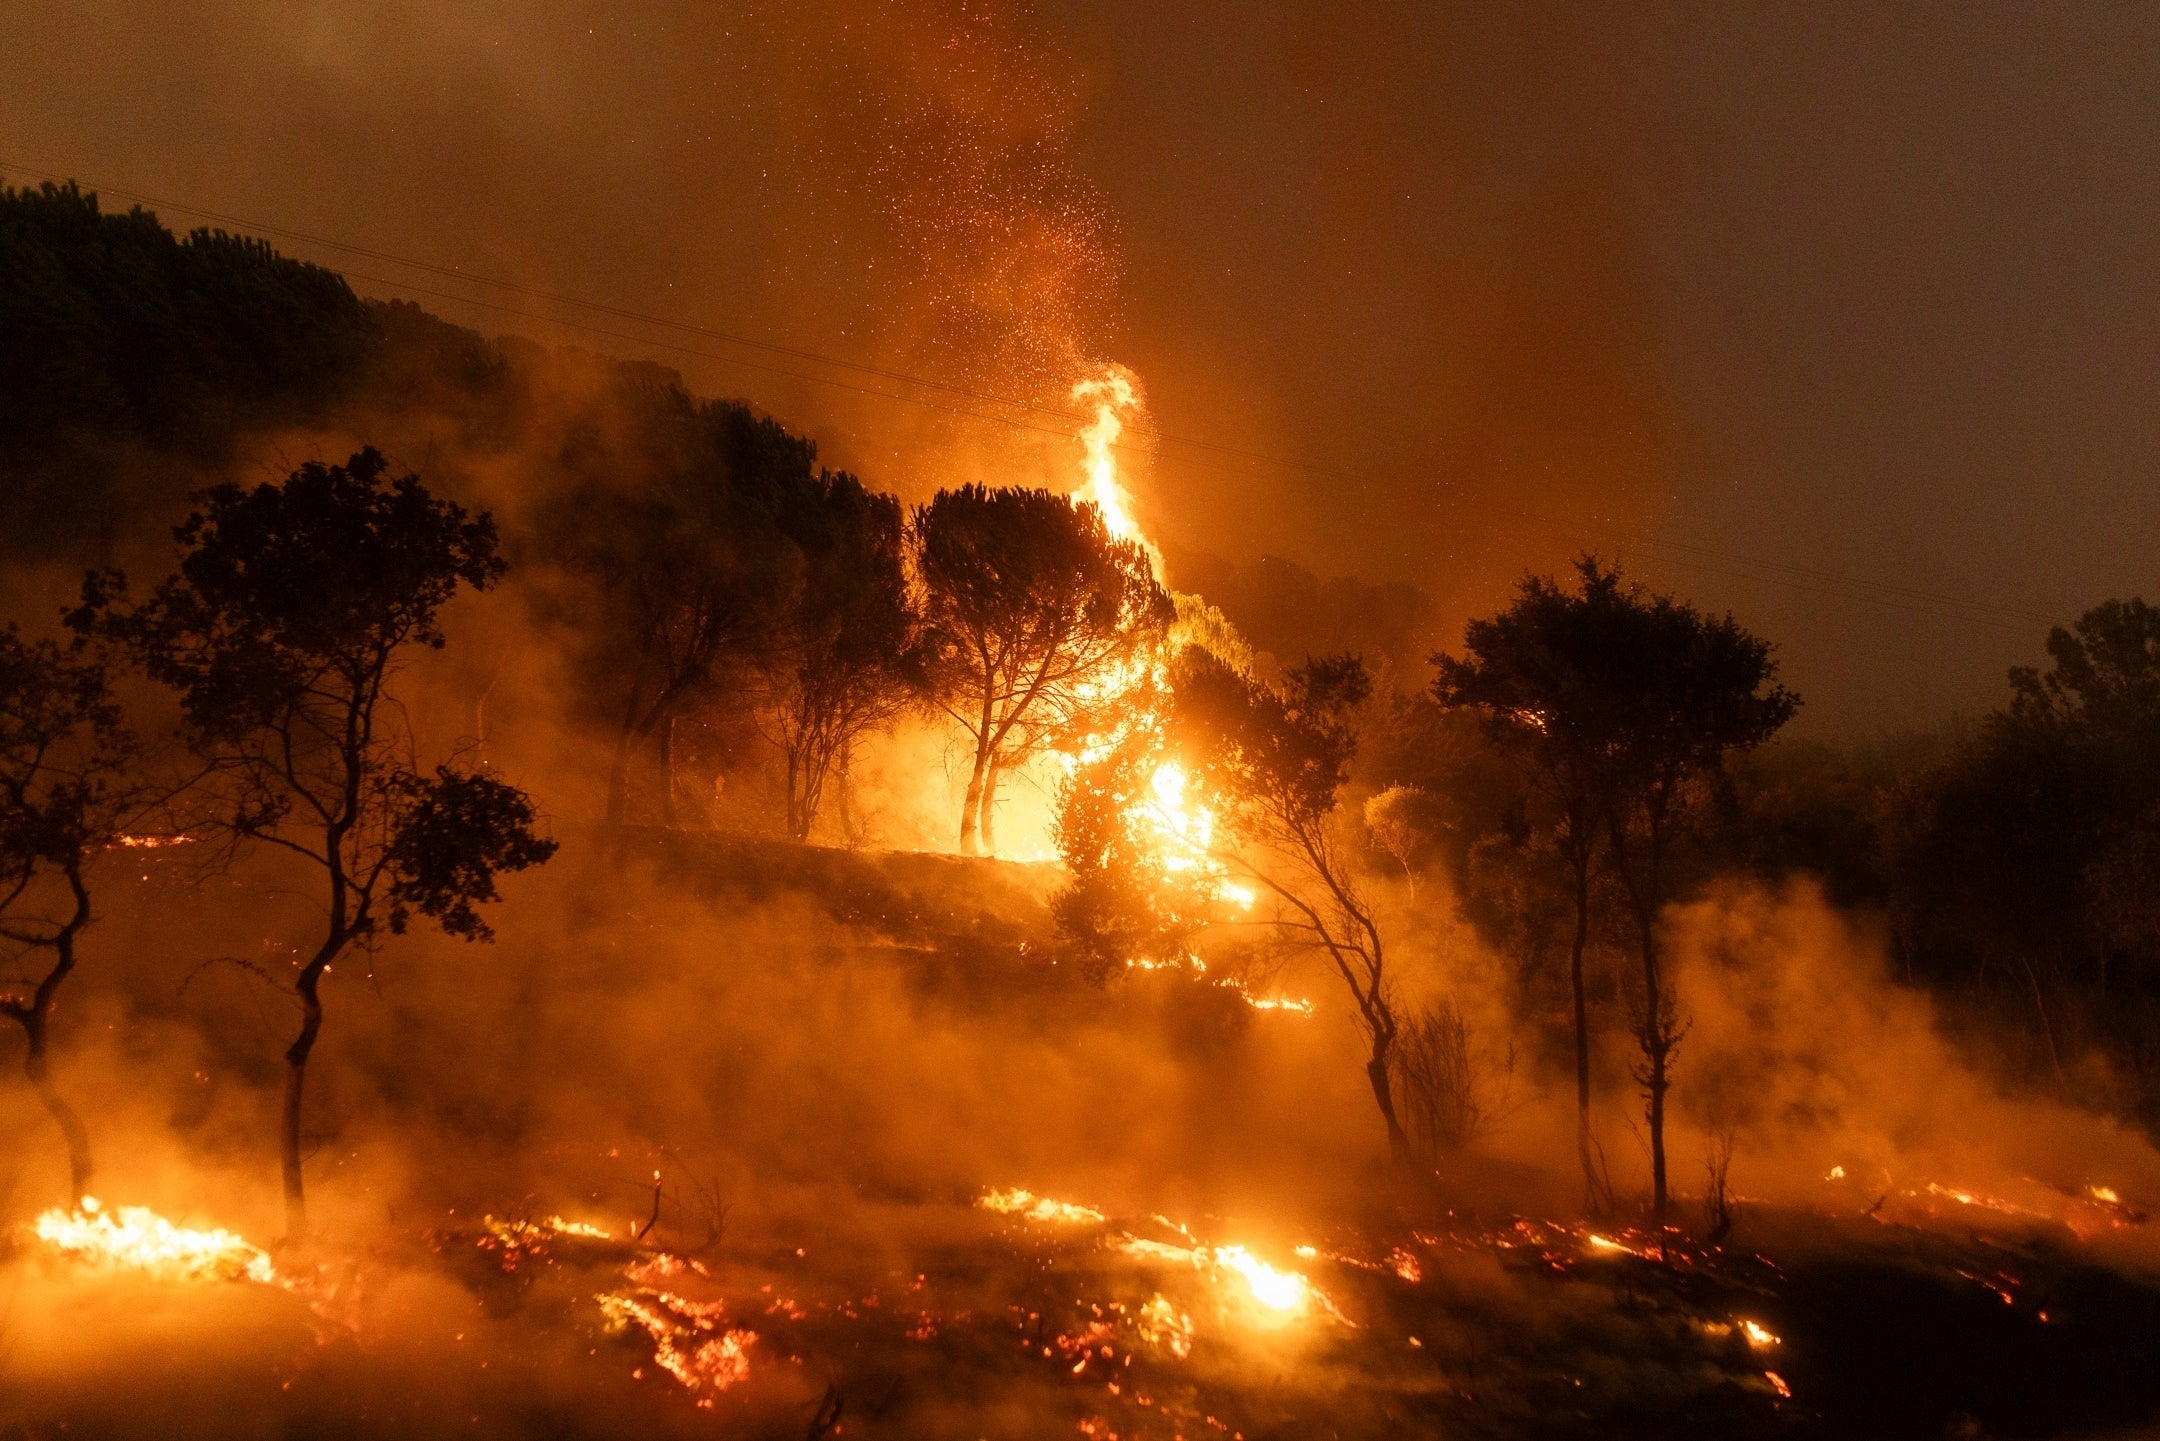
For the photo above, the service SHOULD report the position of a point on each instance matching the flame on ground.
(1031, 1207)
(138, 1239)
(692, 1340)
(1281, 1294)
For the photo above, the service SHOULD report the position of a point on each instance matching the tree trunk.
(971, 803)
(798, 824)
(1592, 1190)
(37, 1067)
(618, 786)
(987, 830)
(667, 769)
(1376, 1071)
(971, 811)
(1657, 1052)
(2047, 1029)
(307, 987)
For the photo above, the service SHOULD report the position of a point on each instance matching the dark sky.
(1846, 318)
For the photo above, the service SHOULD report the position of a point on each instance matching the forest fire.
(610, 848)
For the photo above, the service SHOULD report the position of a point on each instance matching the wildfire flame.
(1031, 1207)
(138, 1239)
(1177, 826)
(1111, 394)
(1284, 1294)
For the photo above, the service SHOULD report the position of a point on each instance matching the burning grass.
(1021, 1313)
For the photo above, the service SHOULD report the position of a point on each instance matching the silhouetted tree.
(1031, 608)
(1277, 759)
(67, 788)
(695, 572)
(119, 338)
(2025, 848)
(1683, 691)
(294, 608)
(847, 661)
(1540, 677)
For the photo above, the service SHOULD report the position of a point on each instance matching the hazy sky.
(1844, 317)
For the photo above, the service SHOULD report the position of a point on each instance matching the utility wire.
(1883, 593)
(665, 322)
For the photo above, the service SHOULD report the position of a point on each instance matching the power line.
(684, 326)
(1875, 592)
(705, 354)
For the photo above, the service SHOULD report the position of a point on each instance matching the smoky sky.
(1841, 317)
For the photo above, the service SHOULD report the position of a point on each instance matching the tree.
(67, 787)
(2027, 849)
(294, 609)
(121, 342)
(696, 576)
(1277, 758)
(1683, 691)
(1402, 821)
(2104, 685)
(847, 661)
(1032, 610)
(1539, 675)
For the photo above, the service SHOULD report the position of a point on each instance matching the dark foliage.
(680, 523)
(115, 332)
(1278, 757)
(847, 659)
(67, 788)
(294, 607)
(457, 833)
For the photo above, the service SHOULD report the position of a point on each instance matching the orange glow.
(1111, 394)
(1031, 1207)
(136, 1238)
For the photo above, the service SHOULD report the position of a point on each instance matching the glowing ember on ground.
(1031, 1207)
(137, 1238)
(1164, 1325)
(1985, 1203)
(1759, 1336)
(692, 1340)
(1291, 1004)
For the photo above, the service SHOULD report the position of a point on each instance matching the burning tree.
(1277, 758)
(67, 789)
(847, 662)
(294, 608)
(1033, 611)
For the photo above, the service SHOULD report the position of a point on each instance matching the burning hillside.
(533, 904)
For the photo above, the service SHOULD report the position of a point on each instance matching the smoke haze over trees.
(438, 600)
